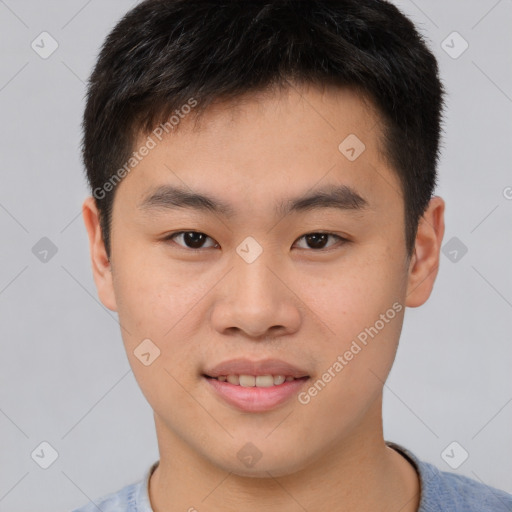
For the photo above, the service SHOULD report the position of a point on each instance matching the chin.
(251, 462)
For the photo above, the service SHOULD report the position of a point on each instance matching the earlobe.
(101, 267)
(424, 263)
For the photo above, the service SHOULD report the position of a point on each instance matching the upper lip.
(243, 366)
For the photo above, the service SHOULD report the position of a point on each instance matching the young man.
(262, 214)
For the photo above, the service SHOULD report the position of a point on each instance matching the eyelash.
(177, 233)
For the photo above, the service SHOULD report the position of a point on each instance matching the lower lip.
(255, 399)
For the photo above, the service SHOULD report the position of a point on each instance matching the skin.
(294, 302)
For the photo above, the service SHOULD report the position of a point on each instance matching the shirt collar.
(142, 497)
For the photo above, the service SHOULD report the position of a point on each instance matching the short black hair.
(164, 55)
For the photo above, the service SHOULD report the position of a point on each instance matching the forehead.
(267, 146)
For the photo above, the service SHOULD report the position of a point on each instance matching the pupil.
(314, 238)
(194, 238)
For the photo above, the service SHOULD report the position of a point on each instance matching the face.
(319, 284)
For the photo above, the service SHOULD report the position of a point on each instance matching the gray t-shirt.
(441, 491)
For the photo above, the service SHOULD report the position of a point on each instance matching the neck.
(359, 473)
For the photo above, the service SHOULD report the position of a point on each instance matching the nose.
(257, 300)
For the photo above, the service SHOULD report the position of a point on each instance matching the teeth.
(247, 381)
(259, 381)
(233, 379)
(279, 379)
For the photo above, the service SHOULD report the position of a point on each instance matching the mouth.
(255, 386)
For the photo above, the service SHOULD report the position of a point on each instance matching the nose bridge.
(255, 299)
(255, 284)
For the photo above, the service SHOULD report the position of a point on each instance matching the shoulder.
(443, 491)
(120, 501)
(452, 492)
(131, 498)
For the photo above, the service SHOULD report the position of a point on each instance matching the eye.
(318, 240)
(192, 239)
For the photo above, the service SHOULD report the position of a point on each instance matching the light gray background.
(64, 376)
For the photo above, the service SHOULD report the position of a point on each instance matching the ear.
(101, 268)
(424, 263)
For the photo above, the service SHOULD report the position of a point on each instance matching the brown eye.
(195, 240)
(190, 239)
(317, 241)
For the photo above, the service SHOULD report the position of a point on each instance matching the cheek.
(159, 303)
(362, 307)
(354, 295)
(152, 293)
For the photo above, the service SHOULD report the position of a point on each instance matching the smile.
(250, 393)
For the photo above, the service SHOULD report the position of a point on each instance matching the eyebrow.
(171, 197)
